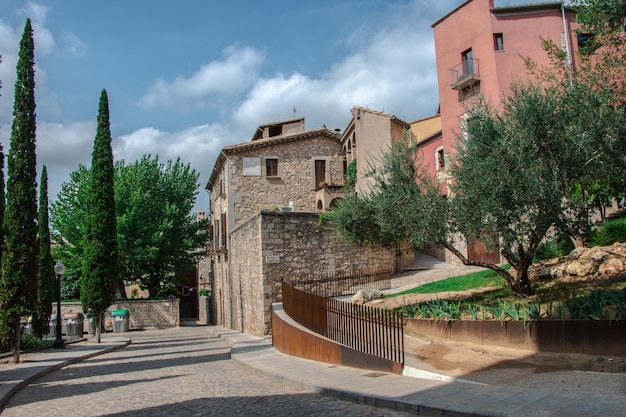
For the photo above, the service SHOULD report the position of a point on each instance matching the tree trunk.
(98, 324)
(17, 339)
(121, 288)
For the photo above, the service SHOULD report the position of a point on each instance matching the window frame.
(271, 163)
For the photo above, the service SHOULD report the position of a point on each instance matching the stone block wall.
(274, 245)
(143, 314)
(246, 277)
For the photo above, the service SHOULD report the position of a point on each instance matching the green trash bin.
(120, 320)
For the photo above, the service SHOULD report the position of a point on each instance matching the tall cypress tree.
(46, 288)
(19, 258)
(100, 257)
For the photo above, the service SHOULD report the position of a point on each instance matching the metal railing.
(343, 283)
(467, 72)
(370, 330)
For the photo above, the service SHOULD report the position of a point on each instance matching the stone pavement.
(419, 395)
(406, 395)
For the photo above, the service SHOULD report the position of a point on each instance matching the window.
(271, 167)
(223, 229)
(216, 231)
(320, 173)
(440, 160)
(585, 42)
(498, 42)
(468, 61)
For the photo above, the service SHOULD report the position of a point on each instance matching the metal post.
(59, 268)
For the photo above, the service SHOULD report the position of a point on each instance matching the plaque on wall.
(252, 167)
(272, 259)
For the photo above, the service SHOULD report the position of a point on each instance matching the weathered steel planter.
(594, 337)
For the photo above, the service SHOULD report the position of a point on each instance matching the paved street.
(175, 372)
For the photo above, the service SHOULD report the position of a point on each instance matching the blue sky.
(186, 78)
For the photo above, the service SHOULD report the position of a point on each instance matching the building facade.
(284, 167)
(368, 135)
(480, 49)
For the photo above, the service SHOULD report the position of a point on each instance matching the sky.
(184, 79)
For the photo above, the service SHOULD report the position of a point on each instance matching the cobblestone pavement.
(176, 372)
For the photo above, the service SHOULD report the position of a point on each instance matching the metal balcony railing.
(464, 74)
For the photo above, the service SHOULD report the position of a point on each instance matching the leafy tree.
(68, 214)
(515, 175)
(403, 205)
(19, 256)
(158, 234)
(100, 272)
(46, 287)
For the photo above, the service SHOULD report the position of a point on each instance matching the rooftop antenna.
(294, 111)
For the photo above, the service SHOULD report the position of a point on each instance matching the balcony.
(465, 74)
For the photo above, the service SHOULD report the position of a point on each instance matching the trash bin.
(74, 324)
(120, 321)
(89, 326)
(53, 325)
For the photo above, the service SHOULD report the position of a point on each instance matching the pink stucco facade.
(479, 48)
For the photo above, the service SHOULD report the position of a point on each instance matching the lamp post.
(59, 269)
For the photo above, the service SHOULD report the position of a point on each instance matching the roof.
(518, 8)
(528, 7)
(258, 132)
(380, 113)
(262, 143)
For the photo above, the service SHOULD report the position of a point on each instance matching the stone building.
(284, 167)
(368, 135)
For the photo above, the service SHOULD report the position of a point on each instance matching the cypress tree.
(100, 257)
(19, 258)
(46, 281)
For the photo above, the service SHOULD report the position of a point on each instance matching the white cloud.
(229, 76)
(73, 45)
(198, 146)
(394, 72)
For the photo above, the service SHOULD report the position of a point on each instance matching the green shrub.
(31, 342)
(609, 232)
(556, 247)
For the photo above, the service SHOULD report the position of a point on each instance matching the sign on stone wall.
(252, 167)
(272, 259)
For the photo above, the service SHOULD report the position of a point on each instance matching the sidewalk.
(421, 396)
(14, 377)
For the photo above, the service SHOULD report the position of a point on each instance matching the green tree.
(19, 256)
(68, 214)
(158, 234)
(403, 205)
(100, 272)
(46, 287)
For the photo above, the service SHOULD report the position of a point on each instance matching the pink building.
(479, 48)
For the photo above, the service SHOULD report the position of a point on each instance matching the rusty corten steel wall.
(292, 339)
(369, 330)
(594, 337)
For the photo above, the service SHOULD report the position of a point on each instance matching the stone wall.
(246, 278)
(143, 314)
(274, 245)
(295, 181)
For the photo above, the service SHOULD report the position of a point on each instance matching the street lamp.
(59, 269)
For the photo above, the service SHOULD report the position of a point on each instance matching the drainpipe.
(567, 48)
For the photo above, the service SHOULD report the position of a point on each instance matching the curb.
(45, 371)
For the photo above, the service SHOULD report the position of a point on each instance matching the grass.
(474, 280)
